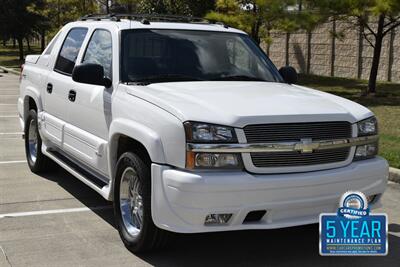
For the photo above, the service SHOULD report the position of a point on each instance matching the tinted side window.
(99, 51)
(69, 51)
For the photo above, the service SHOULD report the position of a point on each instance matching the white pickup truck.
(188, 127)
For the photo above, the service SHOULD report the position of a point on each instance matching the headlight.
(365, 128)
(197, 132)
(368, 127)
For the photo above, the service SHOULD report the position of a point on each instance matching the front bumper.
(181, 200)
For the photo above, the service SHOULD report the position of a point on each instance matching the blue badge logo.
(353, 230)
(354, 205)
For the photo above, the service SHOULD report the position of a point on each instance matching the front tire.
(37, 162)
(132, 205)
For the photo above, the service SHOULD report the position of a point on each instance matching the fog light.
(366, 151)
(217, 219)
(205, 160)
(210, 160)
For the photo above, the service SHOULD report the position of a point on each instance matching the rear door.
(59, 84)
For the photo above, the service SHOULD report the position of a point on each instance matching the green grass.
(385, 104)
(9, 55)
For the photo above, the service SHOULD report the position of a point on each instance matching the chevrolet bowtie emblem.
(306, 145)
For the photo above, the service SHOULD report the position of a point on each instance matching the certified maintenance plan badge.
(353, 230)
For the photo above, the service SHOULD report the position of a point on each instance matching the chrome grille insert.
(264, 133)
(294, 159)
(270, 133)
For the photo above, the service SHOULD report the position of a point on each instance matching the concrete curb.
(8, 70)
(394, 175)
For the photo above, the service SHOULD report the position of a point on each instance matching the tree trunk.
(84, 7)
(28, 44)
(58, 14)
(287, 49)
(268, 41)
(377, 55)
(20, 48)
(42, 40)
(255, 31)
(14, 42)
(309, 39)
(360, 52)
(333, 48)
(391, 59)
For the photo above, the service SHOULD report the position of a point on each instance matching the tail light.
(20, 74)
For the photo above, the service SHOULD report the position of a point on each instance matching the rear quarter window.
(50, 47)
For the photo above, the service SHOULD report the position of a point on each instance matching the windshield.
(150, 56)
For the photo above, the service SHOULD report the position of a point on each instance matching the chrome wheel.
(32, 141)
(131, 202)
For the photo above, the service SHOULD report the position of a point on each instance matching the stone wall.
(350, 56)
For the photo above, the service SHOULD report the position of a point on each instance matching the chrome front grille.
(294, 159)
(269, 133)
(264, 133)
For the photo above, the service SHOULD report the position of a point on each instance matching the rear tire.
(132, 205)
(37, 161)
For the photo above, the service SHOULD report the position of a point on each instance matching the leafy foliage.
(196, 8)
(259, 17)
(20, 20)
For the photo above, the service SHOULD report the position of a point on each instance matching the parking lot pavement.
(55, 220)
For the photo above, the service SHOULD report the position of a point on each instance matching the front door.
(86, 133)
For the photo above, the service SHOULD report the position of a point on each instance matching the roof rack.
(147, 18)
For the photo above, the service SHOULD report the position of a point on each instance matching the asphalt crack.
(5, 256)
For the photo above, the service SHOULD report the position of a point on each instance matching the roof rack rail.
(147, 18)
(97, 17)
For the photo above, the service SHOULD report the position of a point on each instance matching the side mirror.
(91, 74)
(289, 74)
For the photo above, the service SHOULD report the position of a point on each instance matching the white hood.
(242, 103)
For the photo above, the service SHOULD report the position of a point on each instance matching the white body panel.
(241, 103)
(182, 200)
(87, 131)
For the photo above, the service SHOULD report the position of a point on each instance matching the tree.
(20, 19)
(196, 8)
(376, 19)
(257, 17)
(57, 13)
(60, 12)
(105, 4)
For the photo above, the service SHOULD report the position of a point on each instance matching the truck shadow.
(282, 247)
(295, 246)
(81, 192)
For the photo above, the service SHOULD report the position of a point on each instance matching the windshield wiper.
(238, 78)
(164, 78)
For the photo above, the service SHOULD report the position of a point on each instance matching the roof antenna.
(145, 21)
(223, 25)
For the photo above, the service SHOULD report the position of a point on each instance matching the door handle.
(49, 88)
(72, 95)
